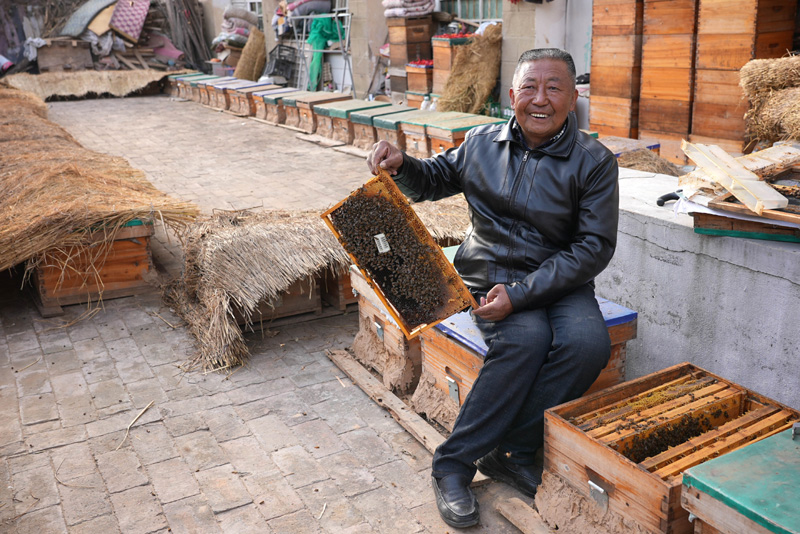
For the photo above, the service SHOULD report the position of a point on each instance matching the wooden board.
(656, 114)
(59, 55)
(670, 144)
(420, 80)
(706, 223)
(617, 17)
(420, 32)
(99, 24)
(667, 84)
(610, 115)
(664, 17)
(299, 298)
(719, 121)
(522, 516)
(615, 82)
(621, 51)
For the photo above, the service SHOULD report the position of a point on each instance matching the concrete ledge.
(728, 305)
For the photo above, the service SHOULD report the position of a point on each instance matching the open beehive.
(628, 446)
(393, 249)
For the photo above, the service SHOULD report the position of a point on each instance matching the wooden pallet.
(627, 447)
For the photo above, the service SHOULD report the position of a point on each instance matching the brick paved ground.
(286, 445)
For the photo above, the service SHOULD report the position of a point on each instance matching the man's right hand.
(385, 155)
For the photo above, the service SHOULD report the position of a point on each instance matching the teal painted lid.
(212, 80)
(391, 121)
(343, 108)
(291, 99)
(185, 75)
(439, 117)
(366, 116)
(466, 122)
(760, 481)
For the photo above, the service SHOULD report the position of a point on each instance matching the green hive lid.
(277, 98)
(196, 80)
(760, 481)
(185, 75)
(435, 120)
(451, 40)
(211, 80)
(291, 98)
(277, 91)
(390, 122)
(458, 124)
(366, 116)
(343, 108)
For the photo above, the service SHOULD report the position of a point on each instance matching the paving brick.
(114, 441)
(255, 392)
(84, 498)
(121, 421)
(316, 373)
(223, 489)
(172, 480)
(82, 331)
(243, 520)
(318, 438)
(349, 474)
(247, 457)
(27, 461)
(410, 450)
(289, 408)
(109, 393)
(329, 506)
(138, 511)
(382, 511)
(190, 516)
(225, 424)
(131, 370)
(153, 443)
(200, 450)
(378, 419)
(298, 466)
(194, 405)
(121, 349)
(121, 470)
(34, 489)
(38, 408)
(33, 382)
(112, 330)
(252, 410)
(73, 461)
(22, 342)
(408, 486)
(55, 438)
(365, 444)
(185, 424)
(49, 520)
(340, 414)
(62, 362)
(301, 522)
(271, 432)
(106, 524)
(99, 369)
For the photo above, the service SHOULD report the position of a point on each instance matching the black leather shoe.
(456, 503)
(525, 478)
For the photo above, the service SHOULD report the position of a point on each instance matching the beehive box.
(242, 102)
(415, 130)
(336, 289)
(291, 110)
(453, 353)
(443, 54)
(761, 499)
(261, 112)
(451, 133)
(393, 249)
(414, 99)
(616, 66)
(305, 106)
(409, 39)
(206, 93)
(390, 127)
(380, 343)
(627, 446)
(189, 87)
(99, 270)
(364, 134)
(172, 82)
(419, 79)
(333, 118)
(299, 298)
(277, 104)
(223, 91)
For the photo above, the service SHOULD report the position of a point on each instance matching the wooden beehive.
(99, 270)
(61, 54)
(390, 127)
(616, 66)
(419, 79)
(443, 55)
(173, 79)
(451, 133)
(337, 289)
(207, 91)
(333, 118)
(453, 352)
(729, 34)
(409, 39)
(299, 298)
(668, 51)
(364, 134)
(408, 271)
(186, 86)
(242, 102)
(221, 97)
(415, 130)
(306, 104)
(276, 106)
(628, 446)
(260, 101)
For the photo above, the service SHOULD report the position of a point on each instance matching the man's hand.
(496, 305)
(385, 155)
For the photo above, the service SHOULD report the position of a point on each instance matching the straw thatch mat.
(54, 193)
(236, 260)
(648, 161)
(773, 88)
(82, 83)
(473, 75)
(254, 57)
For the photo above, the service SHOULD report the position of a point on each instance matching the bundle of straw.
(55, 194)
(646, 160)
(473, 75)
(773, 88)
(81, 83)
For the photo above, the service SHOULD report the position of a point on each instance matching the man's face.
(542, 96)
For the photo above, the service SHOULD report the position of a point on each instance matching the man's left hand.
(495, 306)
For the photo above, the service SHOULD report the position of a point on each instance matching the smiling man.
(543, 200)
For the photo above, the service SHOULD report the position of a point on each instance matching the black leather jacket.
(543, 221)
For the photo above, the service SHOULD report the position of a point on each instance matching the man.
(543, 200)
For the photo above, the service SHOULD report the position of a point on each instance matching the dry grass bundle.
(776, 117)
(447, 220)
(760, 77)
(476, 66)
(647, 161)
(17, 101)
(254, 57)
(81, 83)
(54, 193)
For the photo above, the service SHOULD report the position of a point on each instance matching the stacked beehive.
(409, 40)
(616, 67)
(665, 100)
(729, 34)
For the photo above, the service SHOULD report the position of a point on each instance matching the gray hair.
(546, 53)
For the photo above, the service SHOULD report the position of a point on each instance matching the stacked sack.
(407, 8)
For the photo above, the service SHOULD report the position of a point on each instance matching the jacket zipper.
(513, 229)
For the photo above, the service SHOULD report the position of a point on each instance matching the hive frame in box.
(649, 492)
(383, 185)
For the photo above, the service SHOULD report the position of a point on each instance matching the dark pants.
(536, 359)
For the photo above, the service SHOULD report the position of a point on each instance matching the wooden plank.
(616, 82)
(723, 17)
(522, 516)
(775, 16)
(99, 24)
(721, 203)
(718, 121)
(716, 517)
(724, 51)
(610, 115)
(666, 84)
(664, 17)
(719, 87)
(618, 18)
(656, 114)
(621, 51)
(668, 51)
(716, 225)
(744, 436)
(773, 44)
(735, 147)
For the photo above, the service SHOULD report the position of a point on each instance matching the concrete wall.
(728, 305)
